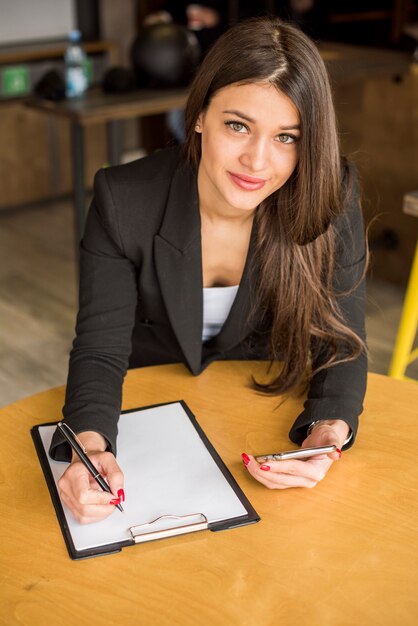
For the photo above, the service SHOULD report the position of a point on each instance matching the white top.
(217, 303)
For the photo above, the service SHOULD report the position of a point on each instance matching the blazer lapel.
(178, 260)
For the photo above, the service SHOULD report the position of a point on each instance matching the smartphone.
(301, 453)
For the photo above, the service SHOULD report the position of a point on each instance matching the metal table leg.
(77, 141)
(54, 159)
(114, 147)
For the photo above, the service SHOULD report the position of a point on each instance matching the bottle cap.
(74, 36)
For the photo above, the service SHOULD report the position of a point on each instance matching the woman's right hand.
(81, 493)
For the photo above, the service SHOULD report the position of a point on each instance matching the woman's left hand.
(298, 473)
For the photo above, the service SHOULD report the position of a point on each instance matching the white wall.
(35, 20)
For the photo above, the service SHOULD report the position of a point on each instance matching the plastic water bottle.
(75, 73)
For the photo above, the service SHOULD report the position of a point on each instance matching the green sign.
(88, 70)
(15, 81)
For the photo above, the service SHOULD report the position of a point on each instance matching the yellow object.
(404, 353)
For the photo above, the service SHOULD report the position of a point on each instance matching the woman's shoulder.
(132, 198)
(349, 224)
(349, 179)
(350, 200)
(154, 168)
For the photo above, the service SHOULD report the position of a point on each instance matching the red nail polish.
(115, 501)
(339, 452)
(245, 458)
(265, 468)
(121, 495)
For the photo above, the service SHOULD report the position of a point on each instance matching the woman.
(260, 213)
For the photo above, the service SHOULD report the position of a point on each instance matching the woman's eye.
(238, 127)
(287, 138)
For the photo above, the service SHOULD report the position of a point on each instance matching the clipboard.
(175, 483)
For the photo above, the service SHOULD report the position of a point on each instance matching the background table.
(98, 108)
(344, 553)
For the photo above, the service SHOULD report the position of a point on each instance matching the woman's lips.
(249, 183)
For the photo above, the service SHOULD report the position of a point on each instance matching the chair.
(404, 354)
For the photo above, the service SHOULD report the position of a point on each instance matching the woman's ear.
(198, 125)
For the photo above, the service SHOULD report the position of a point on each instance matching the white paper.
(168, 471)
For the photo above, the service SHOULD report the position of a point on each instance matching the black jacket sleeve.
(101, 349)
(338, 392)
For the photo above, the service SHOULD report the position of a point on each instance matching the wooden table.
(98, 108)
(344, 553)
(349, 63)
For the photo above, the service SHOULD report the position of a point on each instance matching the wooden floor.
(38, 303)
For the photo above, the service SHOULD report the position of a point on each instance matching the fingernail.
(115, 501)
(121, 495)
(245, 458)
(265, 468)
(339, 452)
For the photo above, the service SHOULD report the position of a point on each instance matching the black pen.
(78, 449)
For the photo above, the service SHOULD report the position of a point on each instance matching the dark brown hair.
(296, 236)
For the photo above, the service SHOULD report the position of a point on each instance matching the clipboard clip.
(157, 529)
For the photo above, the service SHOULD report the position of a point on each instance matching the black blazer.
(141, 299)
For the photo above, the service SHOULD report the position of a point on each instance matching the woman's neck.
(225, 216)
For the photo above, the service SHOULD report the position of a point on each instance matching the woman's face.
(250, 136)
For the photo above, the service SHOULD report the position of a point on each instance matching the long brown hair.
(295, 234)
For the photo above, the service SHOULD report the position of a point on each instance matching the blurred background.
(48, 139)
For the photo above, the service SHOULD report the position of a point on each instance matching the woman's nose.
(255, 155)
